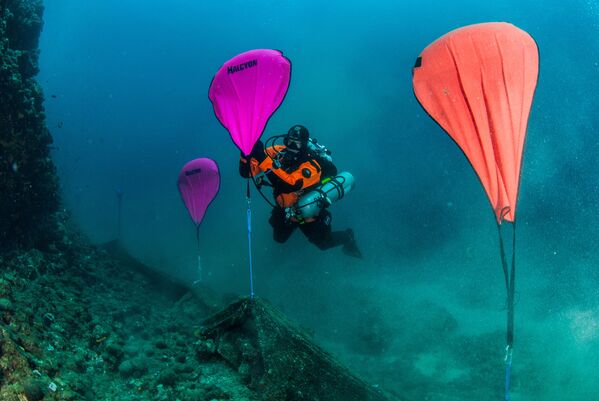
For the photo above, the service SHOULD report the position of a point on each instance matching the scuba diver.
(292, 169)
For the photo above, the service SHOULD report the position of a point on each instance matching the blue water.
(126, 88)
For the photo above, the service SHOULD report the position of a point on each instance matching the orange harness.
(308, 172)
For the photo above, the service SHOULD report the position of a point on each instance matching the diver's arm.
(244, 166)
(327, 166)
(282, 186)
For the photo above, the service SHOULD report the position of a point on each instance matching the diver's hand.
(259, 180)
(258, 152)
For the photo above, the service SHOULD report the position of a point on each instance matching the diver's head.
(296, 140)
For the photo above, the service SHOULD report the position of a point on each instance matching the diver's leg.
(350, 247)
(282, 229)
(320, 234)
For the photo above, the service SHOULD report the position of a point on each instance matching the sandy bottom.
(435, 330)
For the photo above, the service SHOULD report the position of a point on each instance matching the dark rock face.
(28, 183)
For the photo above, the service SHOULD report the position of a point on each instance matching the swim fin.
(350, 247)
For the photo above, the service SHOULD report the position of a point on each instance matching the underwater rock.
(48, 319)
(205, 350)
(134, 367)
(28, 183)
(33, 390)
(100, 328)
(6, 305)
(278, 360)
(168, 377)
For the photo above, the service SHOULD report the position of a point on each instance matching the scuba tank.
(318, 149)
(330, 190)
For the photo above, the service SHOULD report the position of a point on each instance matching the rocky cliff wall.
(28, 184)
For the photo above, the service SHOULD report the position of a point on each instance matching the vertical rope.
(199, 257)
(508, 371)
(510, 285)
(249, 224)
(512, 289)
(503, 258)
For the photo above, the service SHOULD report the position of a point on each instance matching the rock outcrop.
(28, 183)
